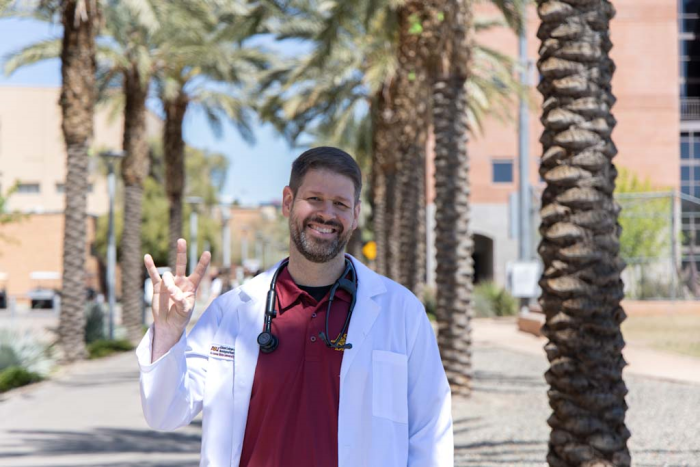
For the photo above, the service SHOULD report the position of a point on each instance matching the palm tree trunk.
(134, 172)
(452, 236)
(384, 158)
(412, 104)
(78, 91)
(581, 284)
(174, 148)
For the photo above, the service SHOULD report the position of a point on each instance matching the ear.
(287, 201)
(356, 215)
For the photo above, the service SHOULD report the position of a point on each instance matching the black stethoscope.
(268, 342)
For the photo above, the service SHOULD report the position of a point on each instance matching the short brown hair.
(326, 158)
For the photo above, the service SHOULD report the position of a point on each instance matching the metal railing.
(690, 108)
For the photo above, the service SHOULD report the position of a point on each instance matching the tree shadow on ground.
(508, 452)
(93, 380)
(495, 382)
(104, 441)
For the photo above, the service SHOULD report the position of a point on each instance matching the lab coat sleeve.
(172, 387)
(429, 403)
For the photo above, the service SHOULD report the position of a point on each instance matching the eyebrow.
(337, 198)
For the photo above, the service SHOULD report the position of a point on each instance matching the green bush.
(491, 300)
(95, 323)
(16, 376)
(102, 348)
(429, 302)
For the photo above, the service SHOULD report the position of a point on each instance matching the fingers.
(198, 272)
(181, 261)
(174, 291)
(152, 270)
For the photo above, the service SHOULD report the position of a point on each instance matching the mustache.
(330, 223)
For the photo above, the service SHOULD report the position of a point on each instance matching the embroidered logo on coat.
(222, 351)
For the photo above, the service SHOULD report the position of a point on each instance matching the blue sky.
(257, 172)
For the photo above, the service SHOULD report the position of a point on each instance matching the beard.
(314, 249)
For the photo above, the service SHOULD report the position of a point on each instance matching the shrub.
(491, 300)
(429, 302)
(102, 348)
(16, 376)
(95, 323)
(23, 350)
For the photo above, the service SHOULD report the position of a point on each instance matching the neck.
(310, 274)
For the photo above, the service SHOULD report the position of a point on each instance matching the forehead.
(328, 183)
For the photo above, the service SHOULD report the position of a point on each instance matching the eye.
(313, 198)
(342, 205)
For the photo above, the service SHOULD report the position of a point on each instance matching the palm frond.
(32, 54)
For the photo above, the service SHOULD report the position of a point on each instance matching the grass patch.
(102, 348)
(678, 334)
(16, 376)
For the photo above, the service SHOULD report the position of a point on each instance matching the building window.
(28, 188)
(502, 171)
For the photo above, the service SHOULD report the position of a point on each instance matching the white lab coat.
(395, 407)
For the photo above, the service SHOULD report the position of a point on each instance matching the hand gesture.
(173, 298)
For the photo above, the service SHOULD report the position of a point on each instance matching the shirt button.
(313, 338)
(313, 315)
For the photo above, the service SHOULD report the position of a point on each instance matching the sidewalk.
(90, 415)
(642, 361)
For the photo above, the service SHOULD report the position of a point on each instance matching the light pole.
(225, 203)
(194, 201)
(110, 157)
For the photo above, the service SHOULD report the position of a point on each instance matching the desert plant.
(102, 348)
(491, 300)
(95, 323)
(16, 376)
(23, 350)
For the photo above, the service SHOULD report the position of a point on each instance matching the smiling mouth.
(324, 230)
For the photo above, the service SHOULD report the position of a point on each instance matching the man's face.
(322, 216)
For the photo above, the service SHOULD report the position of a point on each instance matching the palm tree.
(450, 69)
(80, 19)
(581, 285)
(126, 64)
(352, 74)
(454, 64)
(208, 66)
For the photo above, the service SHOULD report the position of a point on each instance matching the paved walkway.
(90, 414)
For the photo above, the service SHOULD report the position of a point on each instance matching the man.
(371, 394)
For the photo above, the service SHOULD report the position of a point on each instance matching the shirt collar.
(289, 293)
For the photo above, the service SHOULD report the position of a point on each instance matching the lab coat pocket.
(390, 385)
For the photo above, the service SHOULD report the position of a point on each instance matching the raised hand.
(173, 298)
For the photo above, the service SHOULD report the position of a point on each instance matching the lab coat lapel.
(364, 315)
(251, 316)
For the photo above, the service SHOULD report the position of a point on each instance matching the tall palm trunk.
(78, 90)
(412, 104)
(581, 284)
(383, 177)
(452, 236)
(134, 173)
(174, 146)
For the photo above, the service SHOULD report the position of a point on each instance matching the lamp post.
(194, 201)
(225, 203)
(110, 157)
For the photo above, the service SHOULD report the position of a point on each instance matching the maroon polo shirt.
(293, 414)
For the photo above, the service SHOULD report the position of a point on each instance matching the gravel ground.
(504, 422)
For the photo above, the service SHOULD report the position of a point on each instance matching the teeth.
(322, 230)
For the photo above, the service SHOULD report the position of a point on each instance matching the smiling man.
(317, 362)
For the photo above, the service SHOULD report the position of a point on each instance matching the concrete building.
(646, 83)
